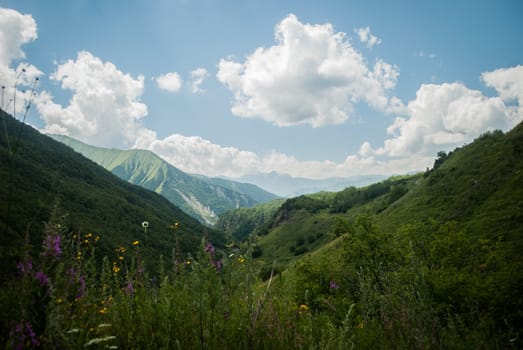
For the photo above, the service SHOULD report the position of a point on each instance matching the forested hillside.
(44, 180)
(437, 250)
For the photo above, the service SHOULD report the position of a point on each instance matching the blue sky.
(307, 88)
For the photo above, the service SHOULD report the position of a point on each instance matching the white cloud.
(171, 82)
(312, 75)
(197, 77)
(366, 37)
(105, 107)
(508, 82)
(443, 116)
(430, 55)
(16, 30)
(194, 154)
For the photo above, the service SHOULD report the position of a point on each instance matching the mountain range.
(288, 186)
(46, 186)
(199, 196)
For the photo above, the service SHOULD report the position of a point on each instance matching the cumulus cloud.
(508, 82)
(366, 37)
(105, 108)
(16, 30)
(444, 116)
(171, 82)
(197, 77)
(312, 75)
(200, 156)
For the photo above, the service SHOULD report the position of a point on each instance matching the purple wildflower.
(81, 290)
(52, 246)
(23, 331)
(218, 264)
(42, 278)
(31, 334)
(25, 266)
(333, 285)
(209, 248)
(129, 289)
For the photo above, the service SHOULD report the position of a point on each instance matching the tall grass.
(65, 297)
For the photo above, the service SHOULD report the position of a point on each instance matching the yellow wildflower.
(188, 262)
(303, 308)
(120, 258)
(89, 235)
(97, 238)
(103, 310)
(135, 243)
(241, 259)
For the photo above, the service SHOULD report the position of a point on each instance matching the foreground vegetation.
(373, 292)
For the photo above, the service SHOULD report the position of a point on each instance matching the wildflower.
(175, 225)
(52, 246)
(360, 325)
(303, 308)
(116, 268)
(25, 266)
(89, 235)
(135, 243)
(97, 238)
(59, 300)
(24, 333)
(129, 289)
(333, 285)
(241, 259)
(81, 290)
(217, 264)
(209, 248)
(42, 278)
(102, 311)
(187, 262)
(145, 224)
(120, 258)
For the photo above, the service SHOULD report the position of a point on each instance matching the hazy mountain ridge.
(288, 186)
(198, 196)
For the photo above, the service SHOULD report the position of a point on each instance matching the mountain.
(445, 244)
(287, 186)
(200, 197)
(44, 180)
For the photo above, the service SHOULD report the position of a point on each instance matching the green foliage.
(69, 300)
(242, 222)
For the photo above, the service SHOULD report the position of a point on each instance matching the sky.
(312, 89)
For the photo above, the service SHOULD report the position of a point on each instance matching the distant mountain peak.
(203, 198)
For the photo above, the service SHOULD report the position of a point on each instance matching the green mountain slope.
(422, 253)
(253, 191)
(200, 197)
(39, 174)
